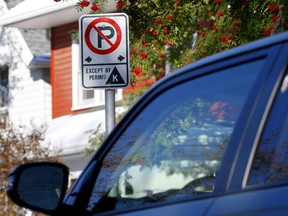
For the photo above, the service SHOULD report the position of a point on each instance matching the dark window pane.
(3, 85)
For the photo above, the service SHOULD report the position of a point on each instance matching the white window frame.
(78, 93)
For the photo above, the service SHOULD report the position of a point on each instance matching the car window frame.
(189, 73)
(279, 111)
(246, 151)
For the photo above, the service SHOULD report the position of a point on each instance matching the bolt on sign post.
(104, 51)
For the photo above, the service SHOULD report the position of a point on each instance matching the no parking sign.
(104, 47)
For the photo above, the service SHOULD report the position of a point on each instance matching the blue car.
(209, 139)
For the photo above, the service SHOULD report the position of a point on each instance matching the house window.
(3, 85)
(4, 81)
(85, 98)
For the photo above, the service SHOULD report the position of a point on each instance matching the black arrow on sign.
(120, 58)
(88, 59)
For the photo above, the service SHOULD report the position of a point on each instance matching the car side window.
(270, 163)
(174, 147)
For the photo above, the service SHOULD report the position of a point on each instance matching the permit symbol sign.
(115, 78)
(104, 47)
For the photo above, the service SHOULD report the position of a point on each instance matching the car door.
(174, 150)
(259, 180)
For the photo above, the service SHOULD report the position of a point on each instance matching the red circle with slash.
(113, 46)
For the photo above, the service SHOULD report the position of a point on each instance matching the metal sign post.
(104, 47)
(109, 110)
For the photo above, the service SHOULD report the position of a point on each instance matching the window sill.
(76, 108)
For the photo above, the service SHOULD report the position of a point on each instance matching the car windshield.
(174, 147)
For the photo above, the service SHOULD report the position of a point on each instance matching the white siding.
(30, 97)
(29, 94)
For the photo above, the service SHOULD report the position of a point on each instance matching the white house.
(44, 87)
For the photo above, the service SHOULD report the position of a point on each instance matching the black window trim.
(246, 151)
(268, 110)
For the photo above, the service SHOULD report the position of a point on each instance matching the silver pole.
(109, 110)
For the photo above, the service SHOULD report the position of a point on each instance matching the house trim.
(46, 14)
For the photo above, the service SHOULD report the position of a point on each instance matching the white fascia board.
(30, 13)
(45, 13)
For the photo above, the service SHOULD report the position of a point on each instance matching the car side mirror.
(38, 186)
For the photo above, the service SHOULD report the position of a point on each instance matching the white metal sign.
(104, 47)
